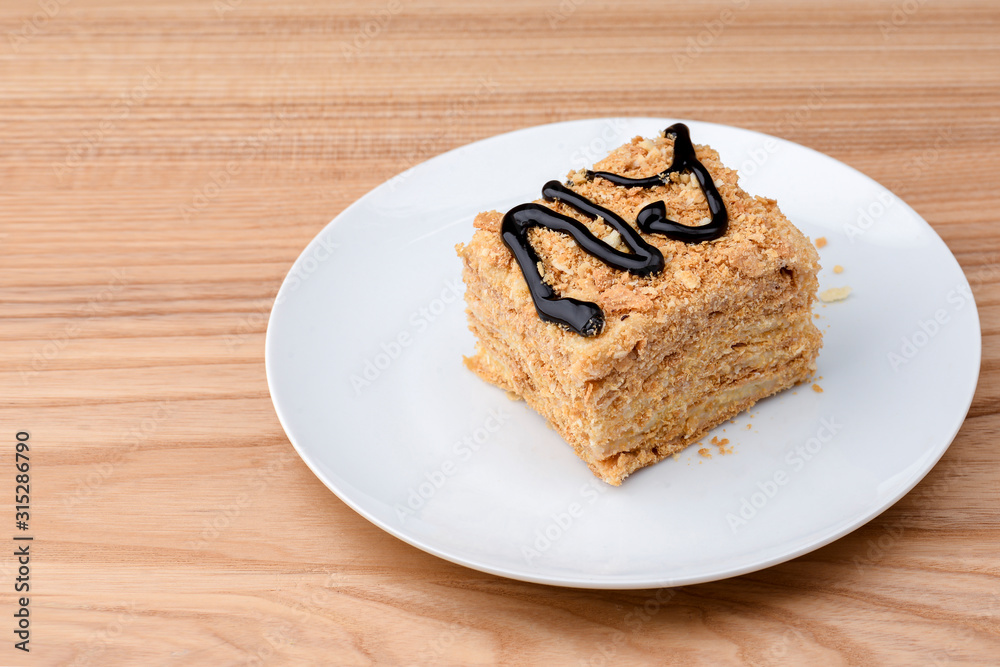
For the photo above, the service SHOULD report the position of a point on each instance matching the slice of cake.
(639, 305)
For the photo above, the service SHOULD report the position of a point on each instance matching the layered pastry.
(640, 304)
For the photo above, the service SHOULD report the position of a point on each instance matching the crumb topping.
(760, 241)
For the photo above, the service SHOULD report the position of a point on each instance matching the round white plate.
(364, 363)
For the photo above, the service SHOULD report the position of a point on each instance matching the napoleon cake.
(639, 305)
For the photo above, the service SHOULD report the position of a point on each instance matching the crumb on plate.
(834, 294)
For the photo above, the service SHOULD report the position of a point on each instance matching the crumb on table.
(820, 242)
(838, 269)
(818, 389)
(705, 452)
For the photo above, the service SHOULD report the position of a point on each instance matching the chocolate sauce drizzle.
(584, 317)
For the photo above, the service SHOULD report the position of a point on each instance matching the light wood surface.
(173, 522)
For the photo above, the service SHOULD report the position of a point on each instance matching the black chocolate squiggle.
(584, 317)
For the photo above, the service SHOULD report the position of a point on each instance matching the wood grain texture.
(174, 523)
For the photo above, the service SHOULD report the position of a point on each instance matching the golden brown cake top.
(759, 241)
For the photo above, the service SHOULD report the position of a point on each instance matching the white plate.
(364, 365)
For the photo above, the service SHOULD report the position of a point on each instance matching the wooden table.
(163, 163)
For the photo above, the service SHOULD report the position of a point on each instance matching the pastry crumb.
(818, 389)
(821, 242)
(721, 444)
(834, 294)
(838, 269)
(705, 452)
(688, 279)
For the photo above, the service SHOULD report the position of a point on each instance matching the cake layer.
(655, 380)
(659, 395)
(662, 427)
(714, 410)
